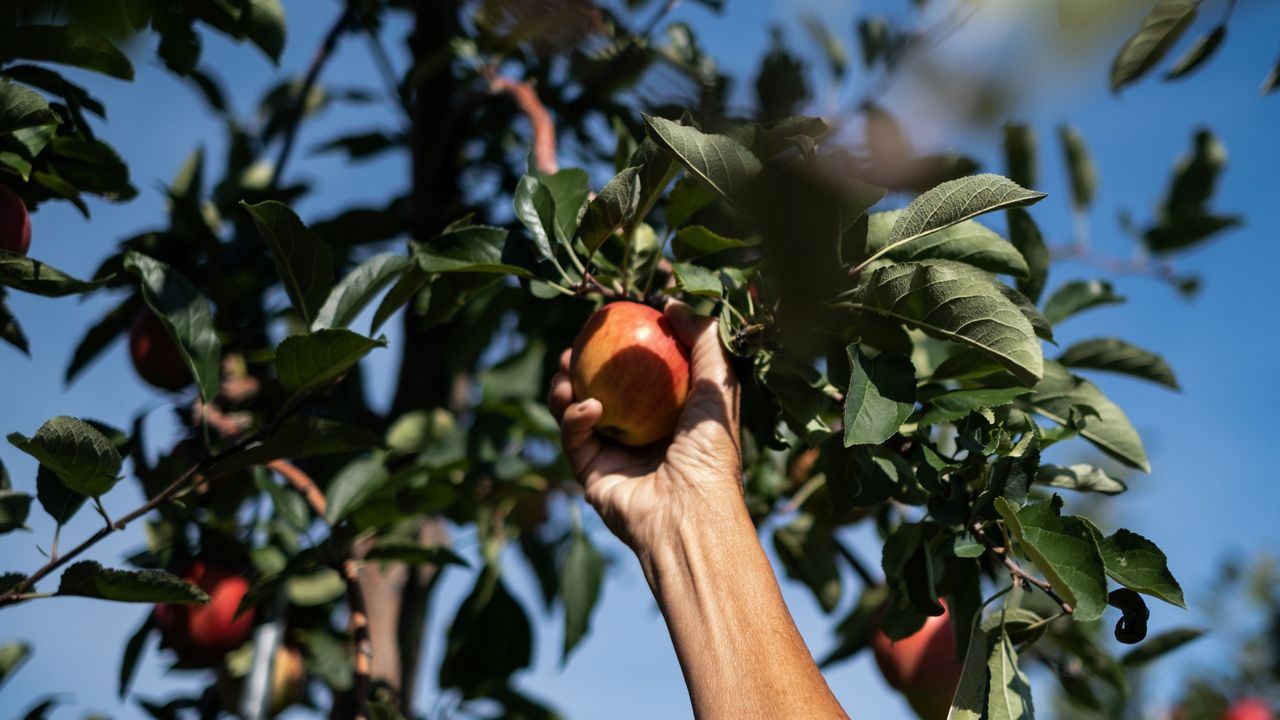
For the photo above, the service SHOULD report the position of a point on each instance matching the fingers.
(565, 358)
(561, 395)
(577, 433)
(708, 361)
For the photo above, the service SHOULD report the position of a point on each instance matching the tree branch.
(1020, 576)
(544, 128)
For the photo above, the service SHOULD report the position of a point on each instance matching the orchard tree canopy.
(890, 310)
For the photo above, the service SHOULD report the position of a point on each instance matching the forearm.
(738, 646)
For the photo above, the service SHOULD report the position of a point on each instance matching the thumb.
(708, 361)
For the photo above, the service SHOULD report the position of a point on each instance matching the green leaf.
(696, 241)
(1020, 153)
(536, 209)
(697, 280)
(800, 390)
(855, 630)
(489, 639)
(807, 553)
(1138, 564)
(1186, 232)
(306, 362)
(359, 288)
(1078, 296)
(10, 330)
(14, 508)
(90, 579)
(302, 259)
(38, 278)
(656, 170)
(581, 576)
(132, 652)
(353, 485)
(970, 700)
(384, 711)
(22, 108)
(408, 551)
(611, 209)
(1118, 356)
(1080, 167)
(313, 589)
(687, 197)
(880, 397)
(1106, 425)
(471, 249)
(297, 438)
(958, 303)
(1083, 478)
(1271, 81)
(11, 656)
(954, 202)
(101, 335)
(289, 504)
(1009, 690)
(413, 280)
(83, 458)
(91, 166)
(58, 500)
(1198, 54)
(363, 145)
(570, 190)
(185, 313)
(1064, 549)
(967, 242)
(1160, 645)
(953, 405)
(72, 45)
(1160, 29)
(262, 21)
(718, 161)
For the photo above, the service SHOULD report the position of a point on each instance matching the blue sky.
(1209, 494)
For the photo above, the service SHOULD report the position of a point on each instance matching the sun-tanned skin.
(678, 505)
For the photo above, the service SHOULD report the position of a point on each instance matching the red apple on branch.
(155, 355)
(923, 666)
(15, 222)
(628, 358)
(1249, 708)
(202, 634)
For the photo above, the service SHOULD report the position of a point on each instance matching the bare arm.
(680, 508)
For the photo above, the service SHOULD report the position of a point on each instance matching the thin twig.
(1020, 576)
(360, 635)
(526, 98)
(318, 61)
(855, 562)
(383, 61)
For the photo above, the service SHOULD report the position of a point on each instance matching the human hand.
(644, 494)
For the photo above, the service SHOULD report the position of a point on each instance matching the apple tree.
(886, 310)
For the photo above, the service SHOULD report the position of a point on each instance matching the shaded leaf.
(185, 313)
(1080, 168)
(14, 508)
(956, 404)
(359, 288)
(489, 639)
(471, 249)
(101, 335)
(1078, 296)
(611, 209)
(1159, 645)
(1020, 153)
(408, 551)
(132, 653)
(306, 362)
(722, 163)
(807, 553)
(880, 397)
(73, 45)
(353, 485)
(970, 699)
(299, 437)
(1025, 236)
(81, 456)
(1198, 54)
(1106, 424)
(58, 500)
(1114, 355)
(38, 278)
(302, 259)
(22, 108)
(581, 576)
(1084, 478)
(90, 579)
(1160, 29)
(697, 241)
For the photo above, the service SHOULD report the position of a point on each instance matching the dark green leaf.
(687, 197)
(1106, 425)
(697, 241)
(14, 508)
(581, 576)
(471, 249)
(1161, 28)
(1020, 154)
(35, 277)
(320, 587)
(1025, 236)
(807, 553)
(1198, 54)
(296, 438)
(958, 303)
(1064, 549)
(405, 550)
(967, 242)
(880, 397)
(68, 45)
(1078, 296)
(360, 146)
(359, 288)
(132, 652)
(83, 458)
(956, 404)
(1138, 564)
(1080, 168)
(718, 161)
(353, 485)
(536, 209)
(185, 313)
(953, 202)
(1118, 356)
(289, 504)
(1083, 478)
(302, 259)
(306, 362)
(22, 108)
(10, 330)
(1271, 81)
(488, 640)
(1186, 232)
(611, 209)
(60, 501)
(1159, 645)
(101, 335)
(90, 579)
(970, 699)
(854, 632)
(697, 280)
(405, 288)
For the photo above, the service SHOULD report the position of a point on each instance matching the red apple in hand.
(15, 222)
(155, 354)
(1249, 708)
(922, 667)
(628, 358)
(202, 634)
(288, 683)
